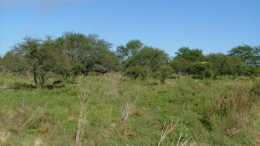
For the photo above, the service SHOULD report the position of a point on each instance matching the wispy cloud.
(48, 5)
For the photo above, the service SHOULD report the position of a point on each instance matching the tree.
(164, 72)
(255, 60)
(180, 65)
(13, 62)
(245, 52)
(105, 61)
(136, 71)
(233, 66)
(40, 58)
(78, 46)
(90, 51)
(201, 69)
(149, 57)
(131, 48)
(217, 61)
(226, 64)
(190, 55)
(78, 68)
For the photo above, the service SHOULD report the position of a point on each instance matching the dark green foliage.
(90, 51)
(131, 48)
(226, 65)
(218, 63)
(233, 65)
(37, 58)
(245, 52)
(13, 62)
(250, 57)
(205, 120)
(105, 61)
(136, 71)
(78, 68)
(184, 60)
(255, 59)
(149, 57)
(180, 65)
(201, 69)
(190, 55)
(164, 72)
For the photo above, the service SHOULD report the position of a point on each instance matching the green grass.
(50, 116)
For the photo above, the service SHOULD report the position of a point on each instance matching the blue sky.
(210, 25)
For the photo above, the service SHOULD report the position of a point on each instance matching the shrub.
(255, 93)
(230, 113)
(136, 71)
(163, 73)
(78, 68)
(201, 70)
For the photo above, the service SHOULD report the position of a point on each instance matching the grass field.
(111, 109)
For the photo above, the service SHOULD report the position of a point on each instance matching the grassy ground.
(111, 109)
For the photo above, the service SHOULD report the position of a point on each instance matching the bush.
(255, 93)
(1, 68)
(163, 73)
(201, 70)
(136, 71)
(78, 68)
(231, 113)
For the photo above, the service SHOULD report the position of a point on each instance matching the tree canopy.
(149, 57)
(131, 48)
(245, 52)
(39, 58)
(90, 51)
(190, 55)
(73, 54)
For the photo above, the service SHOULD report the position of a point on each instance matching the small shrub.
(255, 93)
(78, 69)
(163, 73)
(136, 71)
(201, 70)
(1, 69)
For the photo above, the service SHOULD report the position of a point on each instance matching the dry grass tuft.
(4, 136)
(38, 142)
(126, 111)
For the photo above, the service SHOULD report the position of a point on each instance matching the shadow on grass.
(55, 85)
(23, 86)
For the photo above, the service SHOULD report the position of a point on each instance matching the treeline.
(73, 54)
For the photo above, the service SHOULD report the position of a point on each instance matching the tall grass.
(215, 112)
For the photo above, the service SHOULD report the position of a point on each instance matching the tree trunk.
(38, 82)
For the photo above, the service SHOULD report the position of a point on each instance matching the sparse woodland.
(73, 90)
